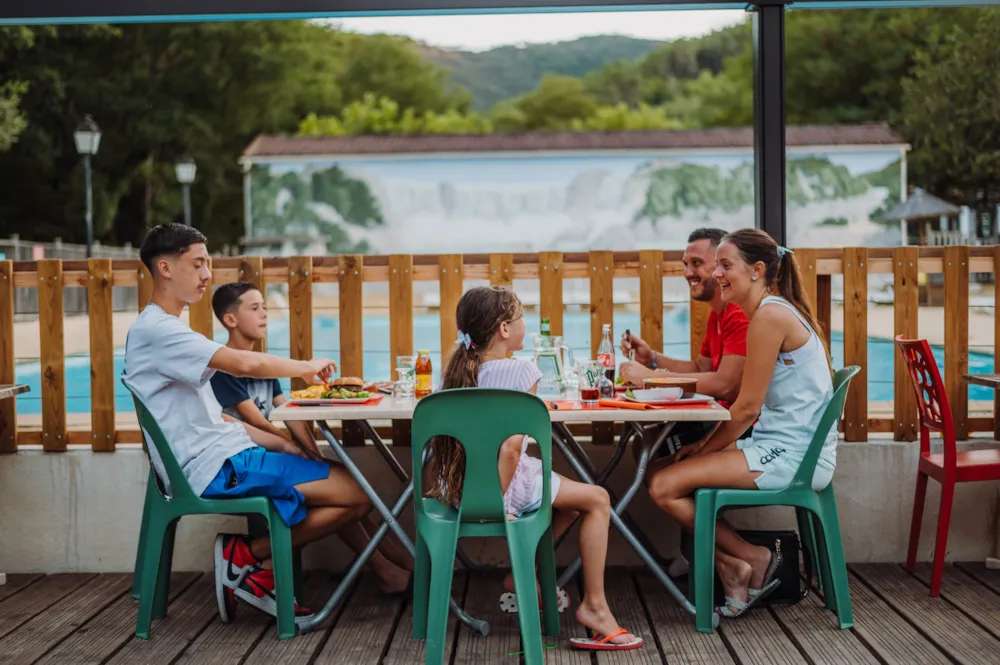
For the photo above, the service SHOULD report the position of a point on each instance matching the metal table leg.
(561, 438)
(401, 473)
(389, 522)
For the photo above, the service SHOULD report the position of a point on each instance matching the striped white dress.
(525, 491)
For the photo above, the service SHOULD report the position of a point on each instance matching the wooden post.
(700, 311)
(602, 311)
(550, 289)
(956, 335)
(651, 297)
(144, 282)
(252, 270)
(300, 312)
(824, 301)
(502, 269)
(450, 288)
(53, 354)
(102, 357)
(201, 316)
(8, 407)
(805, 259)
(350, 284)
(905, 291)
(996, 338)
(856, 341)
(400, 326)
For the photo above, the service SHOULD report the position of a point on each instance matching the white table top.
(394, 409)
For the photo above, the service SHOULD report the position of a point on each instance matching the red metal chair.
(948, 467)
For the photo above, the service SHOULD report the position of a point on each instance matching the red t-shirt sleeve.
(706, 348)
(734, 332)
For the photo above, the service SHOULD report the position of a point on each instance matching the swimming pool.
(426, 335)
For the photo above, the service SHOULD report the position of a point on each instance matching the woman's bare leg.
(671, 490)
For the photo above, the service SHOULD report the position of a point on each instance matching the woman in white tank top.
(786, 385)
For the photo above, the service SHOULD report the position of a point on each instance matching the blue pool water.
(426, 335)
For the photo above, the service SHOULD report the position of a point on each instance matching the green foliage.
(382, 115)
(12, 122)
(351, 198)
(511, 71)
(950, 110)
(622, 118)
(558, 101)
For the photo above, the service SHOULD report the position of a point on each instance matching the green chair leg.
(166, 566)
(284, 576)
(837, 563)
(155, 535)
(522, 563)
(442, 571)
(703, 577)
(152, 496)
(547, 579)
(805, 520)
(421, 587)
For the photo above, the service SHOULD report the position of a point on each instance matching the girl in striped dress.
(491, 327)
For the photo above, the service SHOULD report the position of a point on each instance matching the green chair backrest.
(830, 418)
(480, 419)
(179, 487)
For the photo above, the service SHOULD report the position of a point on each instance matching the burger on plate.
(352, 383)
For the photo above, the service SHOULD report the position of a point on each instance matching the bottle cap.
(423, 352)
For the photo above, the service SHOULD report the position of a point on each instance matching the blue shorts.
(258, 472)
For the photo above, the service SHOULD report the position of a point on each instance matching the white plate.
(696, 399)
(329, 402)
(658, 395)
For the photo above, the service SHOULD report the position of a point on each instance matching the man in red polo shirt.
(719, 367)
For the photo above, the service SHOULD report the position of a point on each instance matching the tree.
(381, 115)
(620, 118)
(950, 108)
(554, 105)
(392, 67)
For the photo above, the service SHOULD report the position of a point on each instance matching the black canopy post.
(769, 116)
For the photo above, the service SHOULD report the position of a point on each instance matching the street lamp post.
(88, 138)
(185, 169)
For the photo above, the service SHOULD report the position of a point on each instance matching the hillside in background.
(510, 71)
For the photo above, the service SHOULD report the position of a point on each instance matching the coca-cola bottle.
(606, 353)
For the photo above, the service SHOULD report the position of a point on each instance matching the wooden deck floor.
(79, 618)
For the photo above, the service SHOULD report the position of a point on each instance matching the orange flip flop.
(605, 643)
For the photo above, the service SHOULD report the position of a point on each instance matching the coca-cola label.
(605, 359)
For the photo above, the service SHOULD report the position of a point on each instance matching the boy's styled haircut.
(168, 240)
(227, 298)
(713, 235)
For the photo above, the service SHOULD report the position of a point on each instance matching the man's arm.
(266, 366)
(723, 384)
(251, 415)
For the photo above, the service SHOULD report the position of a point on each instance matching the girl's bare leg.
(594, 504)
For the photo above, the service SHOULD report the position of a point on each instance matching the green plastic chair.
(481, 419)
(162, 511)
(817, 518)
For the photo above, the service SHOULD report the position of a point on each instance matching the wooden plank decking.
(90, 619)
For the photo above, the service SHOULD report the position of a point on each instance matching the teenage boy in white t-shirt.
(169, 366)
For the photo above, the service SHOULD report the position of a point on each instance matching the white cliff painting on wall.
(524, 203)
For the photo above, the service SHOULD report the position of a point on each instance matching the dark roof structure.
(264, 146)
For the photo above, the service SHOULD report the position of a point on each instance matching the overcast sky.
(481, 32)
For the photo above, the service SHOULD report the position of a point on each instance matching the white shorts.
(524, 494)
(778, 465)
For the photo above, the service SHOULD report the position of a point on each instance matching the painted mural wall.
(530, 203)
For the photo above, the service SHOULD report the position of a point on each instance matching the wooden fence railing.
(550, 269)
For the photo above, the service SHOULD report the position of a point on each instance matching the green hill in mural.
(888, 178)
(676, 189)
(297, 193)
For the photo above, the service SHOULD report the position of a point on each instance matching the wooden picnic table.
(9, 392)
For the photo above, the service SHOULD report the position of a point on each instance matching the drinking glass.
(590, 374)
(404, 387)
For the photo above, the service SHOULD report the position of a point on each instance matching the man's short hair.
(706, 233)
(168, 240)
(227, 297)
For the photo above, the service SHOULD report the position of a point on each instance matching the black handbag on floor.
(795, 572)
